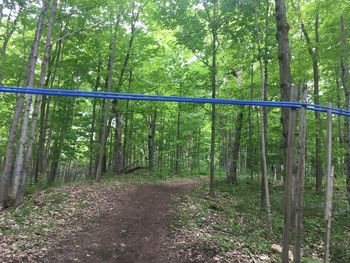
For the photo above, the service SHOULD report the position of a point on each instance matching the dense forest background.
(249, 50)
(166, 48)
(225, 49)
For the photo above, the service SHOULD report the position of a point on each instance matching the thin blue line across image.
(143, 97)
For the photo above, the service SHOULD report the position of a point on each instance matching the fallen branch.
(135, 169)
(251, 255)
(26, 202)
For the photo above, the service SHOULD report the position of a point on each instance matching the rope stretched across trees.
(143, 97)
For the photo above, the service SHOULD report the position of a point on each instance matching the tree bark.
(117, 163)
(107, 106)
(232, 178)
(329, 191)
(265, 195)
(345, 82)
(313, 51)
(250, 126)
(44, 65)
(300, 181)
(178, 137)
(16, 118)
(289, 181)
(284, 65)
(126, 128)
(151, 139)
(213, 72)
(288, 119)
(264, 77)
(93, 122)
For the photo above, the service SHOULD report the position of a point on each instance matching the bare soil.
(134, 230)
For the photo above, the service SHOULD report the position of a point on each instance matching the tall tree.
(29, 81)
(314, 53)
(106, 112)
(213, 74)
(345, 82)
(288, 118)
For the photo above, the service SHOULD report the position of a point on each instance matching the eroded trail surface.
(134, 230)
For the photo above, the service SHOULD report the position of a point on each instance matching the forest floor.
(139, 220)
(110, 222)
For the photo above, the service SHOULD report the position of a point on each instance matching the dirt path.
(134, 230)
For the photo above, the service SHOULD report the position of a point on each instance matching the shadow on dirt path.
(132, 231)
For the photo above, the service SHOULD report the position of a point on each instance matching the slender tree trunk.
(289, 181)
(107, 107)
(118, 148)
(126, 127)
(263, 116)
(266, 199)
(44, 112)
(345, 82)
(213, 72)
(264, 77)
(125, 138)
(44, 64)
(56, 154)
(178, 137)
(93, 122)
(300, 181)
(117, 162)
(224, 144)
(288, 119)
(46, 152)
(313, 51)
(329, 191)
(151, 139)
(285, 71)
(235, 148)
(17, 114)
(250, 127)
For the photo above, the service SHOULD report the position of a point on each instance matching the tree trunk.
(288, 119)
(250, 127)
(300, 181)
(126, 128)
(345, 82)
(285, 71)
(289, 181)
(178, 137)
(264, 77)
(329, 191)
(151, 138)
(44, 113)
(118, 151)
(125, 138)
(232, 178)
(313, 51)
(107, 107)
(213, 72)
(117, 162)
(44, 64)
(265, 197)
(93, 122)
(19, 107)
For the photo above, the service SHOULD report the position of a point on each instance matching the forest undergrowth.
(233, 223)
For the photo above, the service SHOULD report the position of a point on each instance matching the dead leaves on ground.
(195, 239)
(26, 234)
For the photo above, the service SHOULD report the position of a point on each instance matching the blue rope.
(143, 97)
